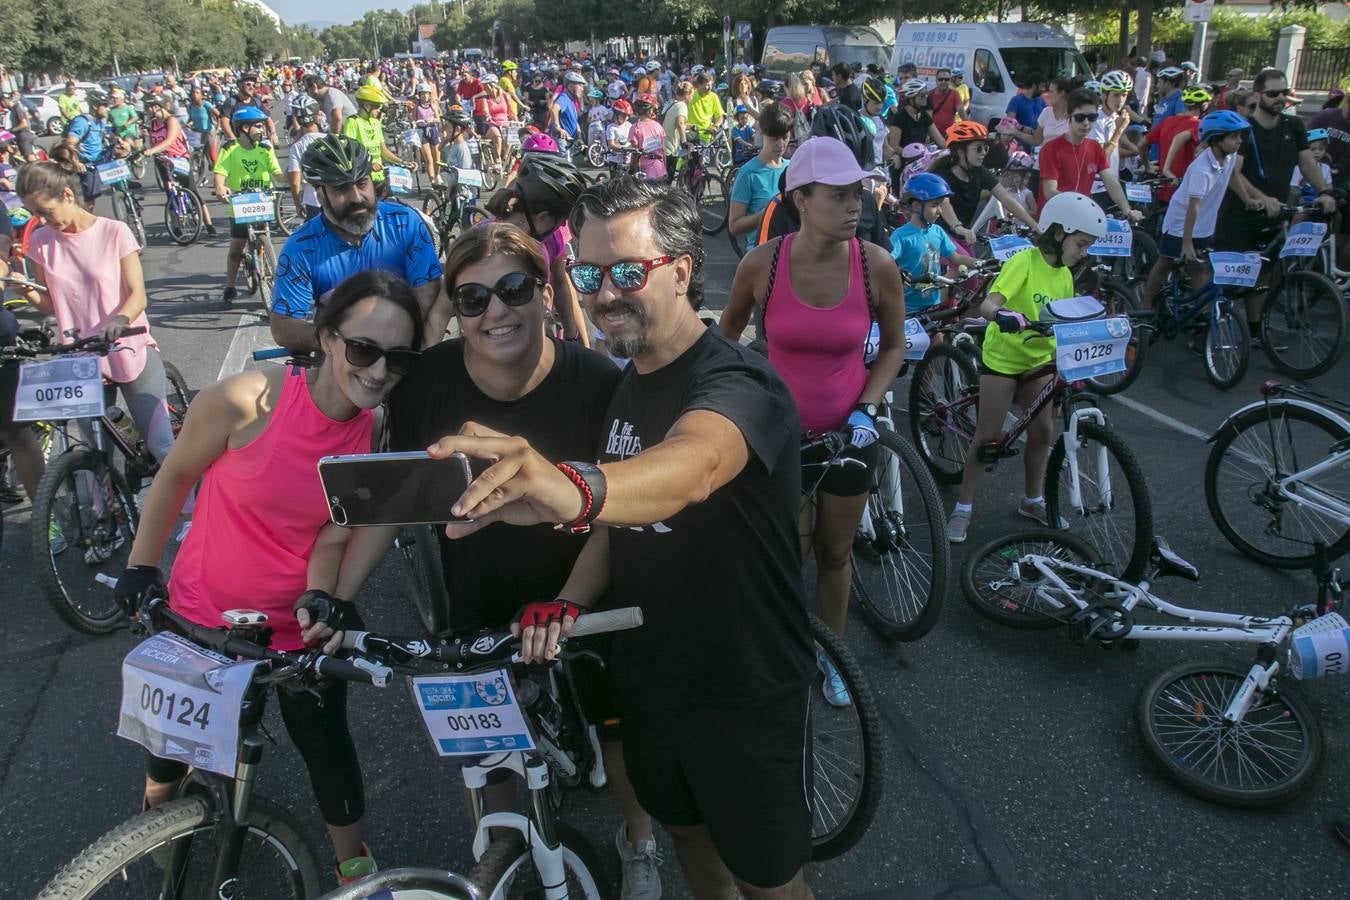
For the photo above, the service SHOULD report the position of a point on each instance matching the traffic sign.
(1198, 10)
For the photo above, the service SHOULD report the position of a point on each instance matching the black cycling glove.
(323, 607)
(138, 584)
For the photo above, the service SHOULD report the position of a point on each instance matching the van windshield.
(1044, 62)
(864, 54)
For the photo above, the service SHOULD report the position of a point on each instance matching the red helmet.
(623, 106)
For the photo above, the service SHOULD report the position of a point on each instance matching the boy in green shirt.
(367, 129)
(248, 165)
(69, 103)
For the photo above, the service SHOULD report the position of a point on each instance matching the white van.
(994, 57)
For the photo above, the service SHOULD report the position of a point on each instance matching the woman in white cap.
(821, 289)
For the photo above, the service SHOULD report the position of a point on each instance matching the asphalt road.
(1015, 768)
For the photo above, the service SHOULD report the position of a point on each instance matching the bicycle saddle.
(1168, 563)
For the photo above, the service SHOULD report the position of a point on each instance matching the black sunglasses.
(1080, 118)
(626, 275)
(1271, 95)
(363, 354)
(515, 288)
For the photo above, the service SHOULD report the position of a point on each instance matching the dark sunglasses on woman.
(515, 288)
(363, 354)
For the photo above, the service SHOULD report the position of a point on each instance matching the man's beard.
(357, 217)
(625, 348)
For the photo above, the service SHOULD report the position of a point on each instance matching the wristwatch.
(869, 408)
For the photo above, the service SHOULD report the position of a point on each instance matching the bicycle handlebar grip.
(608, 620)
(271, 353)
(356, 669)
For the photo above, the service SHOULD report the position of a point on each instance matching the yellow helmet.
(370, 94)
(509, 66)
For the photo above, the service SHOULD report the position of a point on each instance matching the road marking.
(1160, 418)
(250, 334)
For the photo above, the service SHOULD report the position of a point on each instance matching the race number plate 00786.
(1238, 269)
(469, 715)
(1090, 349)
(254, 207)
(182, 702)
(67, 388)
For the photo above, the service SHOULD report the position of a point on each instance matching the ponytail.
(51, 178)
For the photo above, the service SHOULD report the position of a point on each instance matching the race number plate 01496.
(1303, 239)
(248, 208)
(1119, 240)
(1006, 245)
(1237, 269)
(66, 388)
(182, 702)
(469, 715)
(1089, 349)
(114, 172)
(400, 179)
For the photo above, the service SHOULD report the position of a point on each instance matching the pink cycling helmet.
(539, 142)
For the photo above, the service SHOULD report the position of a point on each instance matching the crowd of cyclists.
(852, 188)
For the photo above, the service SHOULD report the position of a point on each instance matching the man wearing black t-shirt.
(699, 479)
(538, 97)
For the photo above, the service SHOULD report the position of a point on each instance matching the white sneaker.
(641, 880)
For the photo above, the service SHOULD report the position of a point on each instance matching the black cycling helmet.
(549, 181)
(843, 123)
(459, 118)
(249, 76)
(95, 98)
(335, 159)
(873, 90)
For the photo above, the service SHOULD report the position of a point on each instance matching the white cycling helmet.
(1117, 82)
(914, 87)
(1171, 73)
(422, 88)
(489, 79)
(1073, 213)
(571, 77)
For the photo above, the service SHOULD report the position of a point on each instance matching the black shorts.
(26, 142)
(745, 773)
(238, 231)
(1241, 234)
(480, 125)
(90, 184)
(840, 481)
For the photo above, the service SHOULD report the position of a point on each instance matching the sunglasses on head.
(1080, 118)
(363, 354)
(515, 288)
(1271, 95)
(627, 275)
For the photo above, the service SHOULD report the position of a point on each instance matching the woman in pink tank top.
(820, 290)
(260, 534)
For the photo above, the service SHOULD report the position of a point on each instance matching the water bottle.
(122, 422)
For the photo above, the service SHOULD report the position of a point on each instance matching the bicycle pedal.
(989, 454)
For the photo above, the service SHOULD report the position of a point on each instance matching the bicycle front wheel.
(170, 851)
(900, 554)
(1228, 347)
(1121, 300)
(1254, 453)
(710, 195)
(1018, 596)
(942, 410)
(183, 216)
(287, 216)
(176, 395)
(1303, 324)
(1268, 757)
(267, 274)
(420, 554)
(84, 519)
(1113, 512)
(506, 869)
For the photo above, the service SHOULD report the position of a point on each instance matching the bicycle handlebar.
(271, 353)
(92, 344)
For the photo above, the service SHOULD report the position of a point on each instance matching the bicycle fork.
(1071, 456)
(546, 850)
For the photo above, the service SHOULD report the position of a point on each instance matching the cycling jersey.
(1269, 158)
(567, 113)
(920, 251)
(69, 105)
(1161, 138)
(967, 191)
(498, 111)
(92, 134)
(369, 133)
(703, 109)
(314, 260)
(247, 170)
(159, 131)
(1026, 282)
(648, 136)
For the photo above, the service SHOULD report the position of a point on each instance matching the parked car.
(44, 113)
(127, 82)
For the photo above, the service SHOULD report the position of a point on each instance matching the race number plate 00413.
(1303, 239)
(1237, 269)
(1089, 349)
(1119, 240)
(114, 172)
(400, 179)
(1006, 245)
(469, 715)
(67, 388)
(249, 208)
(182, 702)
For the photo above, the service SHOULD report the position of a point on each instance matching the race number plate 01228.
(67, 388)
(1089, 349)
(469, 715)
(249, 208)
(1237, 269)
(182, 702)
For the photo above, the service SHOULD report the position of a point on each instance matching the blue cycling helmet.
(1318, 134)
(595, 94)
(926, 186)
(1221, 122)
(247, 115)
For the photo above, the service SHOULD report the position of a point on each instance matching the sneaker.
(356, 868)
(641, 880)
(836, 694)
(957, 527)
(56, 541)
(99, 553)
(227, 298)
(1034, 510)
(210, 229)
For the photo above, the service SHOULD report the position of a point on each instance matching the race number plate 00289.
(1006, 245)
(70, 387)
(182, 702)
(1303, 239)
(469, 715)
(114, 172)
(253, 207)
(400, 179)
(1119, 240)
(1237, 269)
(1089, 349)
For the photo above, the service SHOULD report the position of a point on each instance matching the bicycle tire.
(505, 858)
(1121, 300)
(1311, 310)
(116, 852)
(286, 215)
(1143, 254)
(434, 209)
(941, 381)
(122, 210)
(267, 274)
(486, 160)
(722, 157)
(989, 586)
(863, 769)
(63, 576)
(1228, 348)
(420, 554)
(710, 196)
(595, 155)
(1169, 707)
(176, 395)
(909, 546)
(250, 273)
(1096, 523)
(1247, 435)
(184, 229)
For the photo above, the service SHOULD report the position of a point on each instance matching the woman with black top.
(971, 182)
(909, 123)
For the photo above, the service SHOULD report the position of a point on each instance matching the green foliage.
(1227, 23)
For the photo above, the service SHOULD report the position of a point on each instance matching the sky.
(340, 11)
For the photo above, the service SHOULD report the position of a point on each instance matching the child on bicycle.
(1299, 188)
(920, 245)
(1193, 212)
(249, 165)
(1013, 365)
(168, 139)
(743, 137)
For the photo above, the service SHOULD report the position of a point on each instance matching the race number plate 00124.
(1303, 239)
(1006, 245)
(114, 172)
(1237, 269)
(468, 715)
(1089, 349)
(400, 179)
(1119, 240)
(248, 208)
(67, 388)
(182, 702)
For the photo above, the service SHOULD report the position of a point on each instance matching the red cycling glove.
(544, 614)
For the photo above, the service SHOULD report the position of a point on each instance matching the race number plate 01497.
(1238, 269)
(249, 208)
(1303, 239)
(67, 388)
(469, 715)
(1089, 349)
(182, 702)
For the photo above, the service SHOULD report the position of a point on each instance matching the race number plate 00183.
(1119, 240)
(1303, 239)
(469, 715)
(182, 702)
(400, 179)
(67, 388)
(1006, 245)
(1089, 349)
(249, 208)
(1237, 269)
